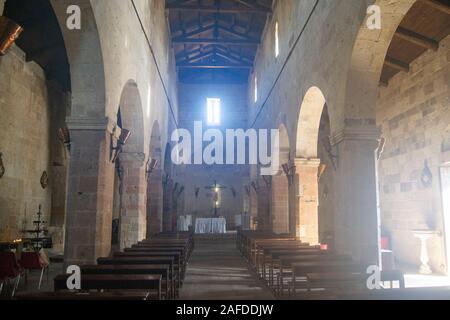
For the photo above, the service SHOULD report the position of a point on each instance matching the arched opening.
(154, 184)
(307, 164)
(35, 99)
(169, 219)
(413, 152)
(280, 186)
(131, 168)
(393, 85)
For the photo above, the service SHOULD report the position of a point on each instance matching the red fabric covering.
(385, 243)
(9, 267)
(32, 260)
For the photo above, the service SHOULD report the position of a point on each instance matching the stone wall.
(192, 99)
(32, 110)
(413, 113)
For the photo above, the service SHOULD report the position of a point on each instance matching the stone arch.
(169, 223)
(308, 125)
(305, 215)
(154, 184)
(86, 66)
(132, 167)
(366, 64)
(280, 186)
(355, 138)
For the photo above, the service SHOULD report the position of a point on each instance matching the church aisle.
(217, 271)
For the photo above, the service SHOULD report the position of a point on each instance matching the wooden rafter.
(417, 39)
(396, 64)
(218, 9)
(214, 65)
(226, 42)
(438, 5)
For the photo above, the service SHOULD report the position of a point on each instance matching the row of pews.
(152, 269)
(296, 270)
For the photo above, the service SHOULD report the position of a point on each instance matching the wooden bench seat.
(149, 269)
(86, 296)
(145, 261)
(114, 282)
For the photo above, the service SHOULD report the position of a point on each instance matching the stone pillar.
(280, 204)
(2, 4)
(307, 194)
(167, 207)
(356, 216)
(253, 208)
(264, 217)
(133, 219)
(154, 203)
(89, 195)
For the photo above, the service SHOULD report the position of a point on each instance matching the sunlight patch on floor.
(420, 280)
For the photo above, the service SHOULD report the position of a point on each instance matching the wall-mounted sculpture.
(9, 32)
(329, 151)
(44, 180)
(2, 167)
(427, 177)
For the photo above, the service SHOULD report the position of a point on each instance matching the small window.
(256, 89)
(277, 41)
(213, 111)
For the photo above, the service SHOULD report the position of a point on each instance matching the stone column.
(2, 4)
(133, 219)
(89, 194)
(167, 206)
(264, 216)
(356, 216)
(280, 204)
(253, 208)
(154, 203)
(307, 194)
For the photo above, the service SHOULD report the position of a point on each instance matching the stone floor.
(217, 271)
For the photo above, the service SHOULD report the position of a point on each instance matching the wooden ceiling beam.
(215, 9)
(214, 66)
(396, 64)
(253, 5)
(224, 42)
(196, 32)
(438, 5)
(417, 39)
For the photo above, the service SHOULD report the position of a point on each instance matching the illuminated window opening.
(256, 89)
(277, 41)
(213, 111)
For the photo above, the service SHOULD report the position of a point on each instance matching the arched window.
(213, 111)
(277, 41)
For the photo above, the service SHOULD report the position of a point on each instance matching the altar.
(210, 225)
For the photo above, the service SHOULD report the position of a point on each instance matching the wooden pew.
(301, 269)
(269, 253)
(337, 281)
(285, 270)
(151, 269)
(177, 263)
(114, 282)
(83, 296)
(184, 256)
(144, 261)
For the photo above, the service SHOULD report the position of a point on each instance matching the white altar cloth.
(184, 222)
(210, 225)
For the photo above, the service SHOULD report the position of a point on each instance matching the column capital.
(302, 162)
(360, 134)
(137, 157)
(90, 123)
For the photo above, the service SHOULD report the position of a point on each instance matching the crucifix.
(216, 189)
